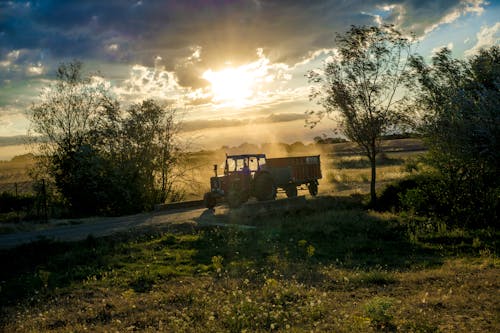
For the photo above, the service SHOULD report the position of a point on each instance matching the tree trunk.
(373, 194)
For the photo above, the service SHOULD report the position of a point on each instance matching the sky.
(236, 69)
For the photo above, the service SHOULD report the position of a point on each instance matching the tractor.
(252, 175)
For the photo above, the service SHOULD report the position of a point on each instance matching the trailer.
(291, 172)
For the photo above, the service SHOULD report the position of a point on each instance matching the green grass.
(332, 267)
(335, 268)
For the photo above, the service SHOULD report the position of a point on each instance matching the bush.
(390, 198)
(465, 203)
(10, 202)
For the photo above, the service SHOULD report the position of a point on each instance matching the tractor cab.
(239, 180)
(246, 164)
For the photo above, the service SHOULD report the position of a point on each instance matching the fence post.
(44, 196)
(18, 206)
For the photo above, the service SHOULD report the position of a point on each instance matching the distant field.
(15, 172)
(344, 170)
(10, 151)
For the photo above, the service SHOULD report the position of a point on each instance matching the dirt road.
(79, 229)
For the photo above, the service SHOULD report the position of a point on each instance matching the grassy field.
(333, 267)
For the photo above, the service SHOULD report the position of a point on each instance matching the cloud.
(35, 69)
(149, 82)
(422, 17)
(435, 50)
(195, 125)
(193, 35)
(486, 37)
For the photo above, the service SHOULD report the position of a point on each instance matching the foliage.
(103, 160)
(327, 140)
(378, 310)
(363, 84)
(461, 126)
(10, 202)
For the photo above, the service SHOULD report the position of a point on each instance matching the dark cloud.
(139, 31)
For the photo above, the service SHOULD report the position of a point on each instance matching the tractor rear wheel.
(264, 187)
(234, 198)
(291, 190)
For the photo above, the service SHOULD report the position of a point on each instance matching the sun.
(231, 86)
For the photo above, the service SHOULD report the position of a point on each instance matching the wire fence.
(24, 201)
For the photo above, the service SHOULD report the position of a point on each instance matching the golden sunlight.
(232, 86)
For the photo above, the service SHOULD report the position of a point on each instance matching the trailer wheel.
(313, 188)
(209, 200)
(264, 187)
(291, 190)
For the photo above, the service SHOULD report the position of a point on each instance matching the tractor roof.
(237, 157)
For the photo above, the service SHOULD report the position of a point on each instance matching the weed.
(379, 311)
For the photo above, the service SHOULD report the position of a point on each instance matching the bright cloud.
(113, 47)
(146, 82)
(486, 37)
(35, 70)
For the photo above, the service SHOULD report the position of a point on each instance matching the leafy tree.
(66, 125)
(150, 137)
(103, 159)
(461, 125)
(364, 85)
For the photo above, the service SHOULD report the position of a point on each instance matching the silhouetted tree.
(103, 159)
(460, 102)
(364, 85)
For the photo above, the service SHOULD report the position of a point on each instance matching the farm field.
(330, 267)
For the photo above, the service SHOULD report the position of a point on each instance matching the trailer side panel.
(304, 169)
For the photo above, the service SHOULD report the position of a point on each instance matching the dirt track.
(79, 229)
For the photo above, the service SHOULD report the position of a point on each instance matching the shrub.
(378, 310)
(462, 203)
(10, 202)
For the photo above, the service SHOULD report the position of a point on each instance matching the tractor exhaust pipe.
(215, 169)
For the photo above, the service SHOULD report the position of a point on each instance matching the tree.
(364, 85)
(460, 100)
(103, 159)
(69, 125)
(150, 134)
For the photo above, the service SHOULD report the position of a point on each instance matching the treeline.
(100, 157)
(461, 128)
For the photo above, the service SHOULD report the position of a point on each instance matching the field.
(331, 267)
(335, 269)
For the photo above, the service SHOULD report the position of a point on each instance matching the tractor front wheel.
(209, 200)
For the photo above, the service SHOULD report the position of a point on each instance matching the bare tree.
(364, 85)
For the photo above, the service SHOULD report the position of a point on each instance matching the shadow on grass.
(330, 231)
(45, 265)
